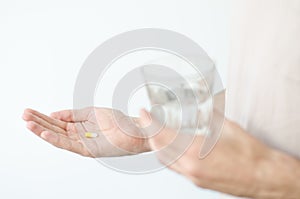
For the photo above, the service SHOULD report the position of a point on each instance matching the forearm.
(278, 176)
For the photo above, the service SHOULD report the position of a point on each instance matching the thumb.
(159, 136)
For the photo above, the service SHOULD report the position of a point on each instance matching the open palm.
(66, 129)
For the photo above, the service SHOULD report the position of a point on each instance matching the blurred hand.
(239, 164)
(66, 129)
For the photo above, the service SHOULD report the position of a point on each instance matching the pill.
(91, 135)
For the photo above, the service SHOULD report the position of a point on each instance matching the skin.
(239, 164)
(65, 129)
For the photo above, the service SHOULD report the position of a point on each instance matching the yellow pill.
(91, 135)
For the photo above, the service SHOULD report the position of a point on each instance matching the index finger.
(53, 121)
(76, 115)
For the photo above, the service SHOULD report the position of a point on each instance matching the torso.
(263, 92)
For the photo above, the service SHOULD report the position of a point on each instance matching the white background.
(42, 47)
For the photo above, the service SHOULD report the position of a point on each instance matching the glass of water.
(180, 94)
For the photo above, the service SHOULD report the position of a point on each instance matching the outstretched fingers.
(33, 120)
(63, 142)
(79, 115)
(52, 121)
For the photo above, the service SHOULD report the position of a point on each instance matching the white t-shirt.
(263, 91)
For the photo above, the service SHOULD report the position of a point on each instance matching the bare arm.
(279, 176)
(239, 164)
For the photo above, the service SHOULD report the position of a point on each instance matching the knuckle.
(192, 170)
(197, 170)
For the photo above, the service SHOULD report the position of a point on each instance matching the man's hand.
(66, 129)
(239, 164)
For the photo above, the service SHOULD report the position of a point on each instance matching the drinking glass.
(180, 94)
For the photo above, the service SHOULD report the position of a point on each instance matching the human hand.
(66, 129)
(239, 164)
